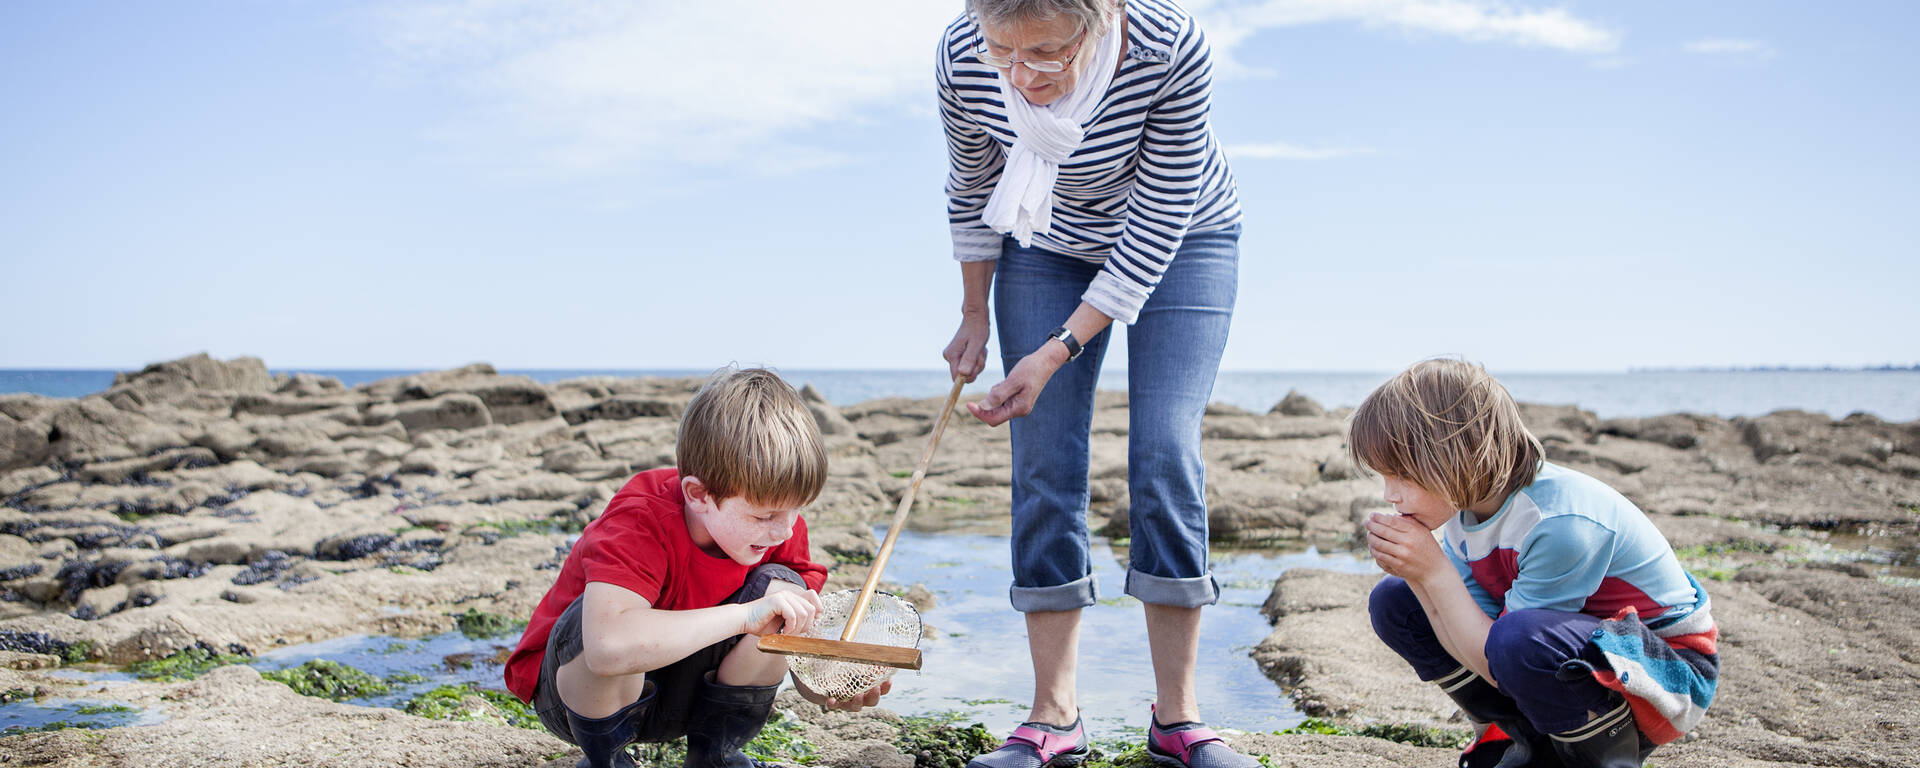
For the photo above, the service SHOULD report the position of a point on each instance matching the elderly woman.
(1084, 187)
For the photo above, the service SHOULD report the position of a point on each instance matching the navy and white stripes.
(1148, 172)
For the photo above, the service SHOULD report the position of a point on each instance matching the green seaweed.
(1418, 735)
(331, 680)
(15, 694)
(103, 709)
(185, 664)
(671, 754)
(480, 625)
(1404, 733)
(936, 742)
(455, 702)
(782, 739)
(57, 725)
(76, 653)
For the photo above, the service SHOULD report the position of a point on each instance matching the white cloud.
(1231, 22)
(1284, 151)
(650, 86)
(1730, 46)
(610, 86)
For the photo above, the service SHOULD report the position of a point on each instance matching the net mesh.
(890, 620)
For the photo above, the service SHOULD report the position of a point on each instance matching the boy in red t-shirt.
(639, 637)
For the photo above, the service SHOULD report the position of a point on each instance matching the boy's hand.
(870, 698)
(789, 610)
(1404, 548)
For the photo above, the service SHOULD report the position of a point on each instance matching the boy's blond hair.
(1450, 428)
(748, 433)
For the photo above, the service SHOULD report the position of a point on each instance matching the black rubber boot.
(1610, 740)
(604, 739)
(724, 719)
(1484, 703)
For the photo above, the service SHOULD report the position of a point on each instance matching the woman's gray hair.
(1095, 16)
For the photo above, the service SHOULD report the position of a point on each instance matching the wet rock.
(274, 404)
(1679, 430)
(508, 399)
(22, 444)
(419, 386)
(25, 407)
(309, 385)
(1324, 656)
(829, 418)
(125, 470)
(1296, 404)
(19, 480)
(173, 380)
(1339, 465)
(91, 430)
(352, 547)
(453, 411)
(624, 407)
(1564, 422)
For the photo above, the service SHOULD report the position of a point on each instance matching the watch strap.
(1066, 337)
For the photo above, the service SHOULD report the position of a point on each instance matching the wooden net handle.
(900, 515)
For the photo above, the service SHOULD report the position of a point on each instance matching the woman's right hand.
(967, 354)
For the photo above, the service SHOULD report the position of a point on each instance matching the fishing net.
(890, 620)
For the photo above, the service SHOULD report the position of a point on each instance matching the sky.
(1539, 186)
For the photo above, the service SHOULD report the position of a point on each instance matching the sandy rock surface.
(208, 503)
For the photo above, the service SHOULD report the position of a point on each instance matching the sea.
(1890, 394)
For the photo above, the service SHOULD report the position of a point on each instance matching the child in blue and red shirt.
(1553, 609)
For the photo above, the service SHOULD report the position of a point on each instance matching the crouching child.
(1554, 613)
(640, 637)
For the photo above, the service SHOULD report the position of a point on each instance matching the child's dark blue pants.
(1525, 651)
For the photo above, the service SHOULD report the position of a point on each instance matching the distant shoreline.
(1884, 368)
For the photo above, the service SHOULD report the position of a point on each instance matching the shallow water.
(977, 667)
(32, 714)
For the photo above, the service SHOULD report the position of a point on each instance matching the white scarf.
(1044, 137)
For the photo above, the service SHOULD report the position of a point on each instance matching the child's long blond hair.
(1449, 427)
(748, 433)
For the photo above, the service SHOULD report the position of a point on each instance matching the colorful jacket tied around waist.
(1668, 675)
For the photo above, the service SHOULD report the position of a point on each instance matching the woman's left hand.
(1404, 547)
(1015, 395)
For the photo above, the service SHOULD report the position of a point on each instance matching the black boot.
(724, 719)
(604, 739)
(1610, 740)
(1484, 703)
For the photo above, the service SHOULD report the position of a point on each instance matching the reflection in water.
(977, 667)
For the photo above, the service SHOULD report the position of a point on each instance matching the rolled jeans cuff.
(1072, 595)
(1190, 592)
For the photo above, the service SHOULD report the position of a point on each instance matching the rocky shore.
(208, 507)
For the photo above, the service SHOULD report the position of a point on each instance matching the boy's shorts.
(673, 687)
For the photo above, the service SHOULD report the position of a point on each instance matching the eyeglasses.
(1048, 66)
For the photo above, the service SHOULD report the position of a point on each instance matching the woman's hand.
(860, 701)
(785, 608)
(1015, 395)
(1405, 548)
(967, 354)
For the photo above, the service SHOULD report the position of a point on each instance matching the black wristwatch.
(1066, 337)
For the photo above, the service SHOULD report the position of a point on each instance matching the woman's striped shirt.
(1147, 173)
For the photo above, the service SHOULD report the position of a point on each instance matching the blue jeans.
(1173, 354)
(1525, 651)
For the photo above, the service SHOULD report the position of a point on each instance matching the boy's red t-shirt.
(641, 543)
